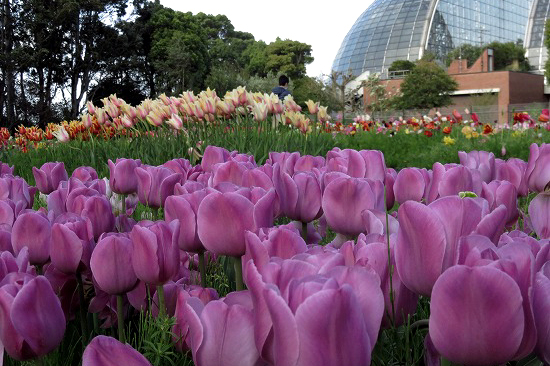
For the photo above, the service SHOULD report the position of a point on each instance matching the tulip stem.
(83, 312)
(202, 269)
(420, 324)
(304, 231)
(237, 261)
(162, 309)
(390, 267)
(96, 323)
(120, 318)
(123, 204)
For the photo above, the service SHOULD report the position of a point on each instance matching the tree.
(427, 86)
(378, 98)
(288, 57)
(315, 89)
(506, 56)
(465, 52)
(402, 65)
(509, 56)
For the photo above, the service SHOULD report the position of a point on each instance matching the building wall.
(513, 88)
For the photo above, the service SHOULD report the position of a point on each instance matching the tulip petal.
(326, 322)
(66, 249)
(222, 221)
(409, 185)
(107, 351)
(285, 331)
(476, 316)
(37, 316)
(539, 212)
(228, 336)
(420, 247)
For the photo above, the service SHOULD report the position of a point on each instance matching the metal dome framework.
(390, 30)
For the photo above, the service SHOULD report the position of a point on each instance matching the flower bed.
(229, 262)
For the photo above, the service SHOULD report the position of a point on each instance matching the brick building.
(508, 87)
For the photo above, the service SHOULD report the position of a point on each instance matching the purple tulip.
(76, 198)
(389, 183)
(541, 307)
(344, 200)
(295, 312)
(375, 256)
(222, 220)
(410, 184)
(32, 230)
(538, 168)
(219, 334)
(49, 176)
(107, 351)
(230, 171)
(428, 237)
(155, 255)
(17, 190)
(122, 178)
(482, 161)
(32, 323)
(181, 166)
(99, 211)
(111, 264)
(72, 243)
(184, 208)
(513, 170)
(279, 242)
(502, 193)
(476, 316)
(539, 212)
(214, 155)
(85, 174)
(155, 184)
(5, 169)
(299, 195)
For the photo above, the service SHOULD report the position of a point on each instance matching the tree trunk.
(9, 66)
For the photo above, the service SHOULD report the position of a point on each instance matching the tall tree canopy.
(58, 53)
(427, 86)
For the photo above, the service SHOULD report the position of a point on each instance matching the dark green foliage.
(402, 65)
(315, 89)
(288, 57)
(426, 86)
(507, 56)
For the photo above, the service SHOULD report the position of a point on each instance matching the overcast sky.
(321, 24)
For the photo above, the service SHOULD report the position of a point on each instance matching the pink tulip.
(111, 264)
(299, 195)
(155, 254)
(219, 334)
(85, 174)
(49, 176)
(107, 351)
(223, 218)
(541, 306)
(122, 177)
(345, 199)
(32, 230)
(539, 212)
(72, 243)
(476, 316)
(428, 237)
(513, 170)
(32, 323)
(293, 310)
(155, 184)
(184, 208)
(411, 184)
(538, 172)
(482, 161)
